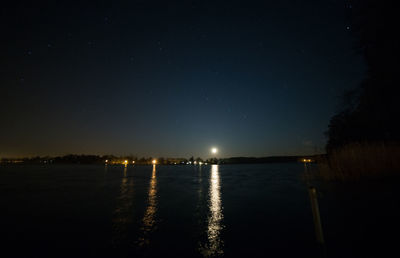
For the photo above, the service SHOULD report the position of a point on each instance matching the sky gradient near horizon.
(173, 78)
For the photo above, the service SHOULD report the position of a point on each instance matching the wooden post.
(317, 219)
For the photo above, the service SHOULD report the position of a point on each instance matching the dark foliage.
(78, 159)
(371, 113)
(254, 160)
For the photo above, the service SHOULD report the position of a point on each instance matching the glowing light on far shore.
(154, 161)
(125, 162)
(106, 160)
(133, 162)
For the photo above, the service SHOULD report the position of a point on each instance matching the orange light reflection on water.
(149, 221)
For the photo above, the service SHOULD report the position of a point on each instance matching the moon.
(214, 150)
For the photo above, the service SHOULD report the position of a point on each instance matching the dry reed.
(359, 161)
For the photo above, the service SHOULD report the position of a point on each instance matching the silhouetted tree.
(142, 161)
(371, 114)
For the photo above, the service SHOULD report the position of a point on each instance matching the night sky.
(166, 78)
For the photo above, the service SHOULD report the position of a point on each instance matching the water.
(160, 211)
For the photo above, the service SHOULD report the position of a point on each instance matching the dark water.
(171, 211)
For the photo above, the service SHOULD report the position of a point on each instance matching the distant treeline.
(96, 159)
(253, 160)
(111, 159)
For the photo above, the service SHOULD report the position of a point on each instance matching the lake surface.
(258, 210)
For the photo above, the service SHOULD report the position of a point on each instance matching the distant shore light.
(154, 161)
(126, 162)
